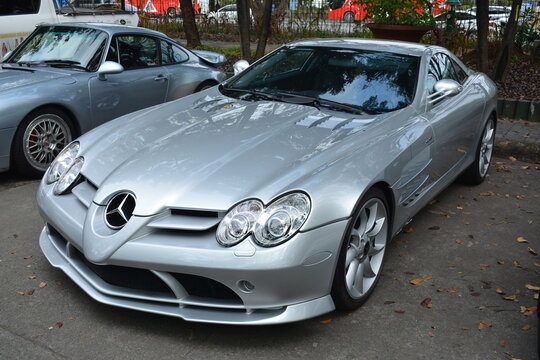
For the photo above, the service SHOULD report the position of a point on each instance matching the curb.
(528, 110)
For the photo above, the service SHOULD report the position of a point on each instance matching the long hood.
(12, 76)
(217, 152)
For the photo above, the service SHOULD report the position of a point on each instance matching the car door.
(454, 118)
(143, 83)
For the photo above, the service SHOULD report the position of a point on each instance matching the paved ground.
(464, 245)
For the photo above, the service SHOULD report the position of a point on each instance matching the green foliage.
(527, 31)
(404, 12)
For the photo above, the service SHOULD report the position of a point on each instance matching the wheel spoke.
(359, 279)
(368, 270)
(372, 218)
(363, 222)
(351, 254)
(377, 227)
(374, 250)
(351, 273)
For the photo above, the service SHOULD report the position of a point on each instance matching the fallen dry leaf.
(531, 250)
(486, 323)
(409, 230)
(427, 303)
(525, 167)
(42, 284)
(433, 202)
(59, 324)
(499, 291)
(517, 264)
(50, 328)
(30, 292)
(430, 334)
(501, 262)
(522, 240)
(465, 328)
(434, 228)
(526, 328)
(536, 264)
(401, 312)
(20, 292)
(532, 287)
(487, 194)
(27, 257)
(512, 159)
(481, 308)
(58, 282)
(502, 343)
(325, 321)
(510, 297)
(32, 277)
(452, 290)
(458, 241)
(418, 281)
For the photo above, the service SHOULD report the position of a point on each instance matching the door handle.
(160, 77)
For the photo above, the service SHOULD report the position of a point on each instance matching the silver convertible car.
(67, 79)
(272, 197)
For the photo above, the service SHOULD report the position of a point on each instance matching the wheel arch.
(72, 118)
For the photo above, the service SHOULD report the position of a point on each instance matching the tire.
(205, 85)
(476, 173)
(171, 12)
(39, 139)
(212, 21)
(348, 17)
(362, 251)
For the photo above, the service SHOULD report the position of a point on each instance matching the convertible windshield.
(374, 82)
(62, 46)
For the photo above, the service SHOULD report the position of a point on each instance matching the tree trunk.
(265, 29)
(505, 52)
(482, 24)
(244, 20)
(190, 27)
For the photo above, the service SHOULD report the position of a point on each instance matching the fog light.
(246, 286)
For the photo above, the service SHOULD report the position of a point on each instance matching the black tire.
(212, 21)
(205, 85)
(368, 259)
(348, 17)
(40, 137)
(476, 173)
(171, 12)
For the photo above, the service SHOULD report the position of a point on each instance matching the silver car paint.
(209, 152)
(91, 101)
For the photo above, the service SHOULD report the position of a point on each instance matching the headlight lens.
(62, 162)
(238, 222)
(282, 219)
(271, 226)
(69, 177)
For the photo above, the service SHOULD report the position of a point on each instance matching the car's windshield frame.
(92, 63)
(413, 63)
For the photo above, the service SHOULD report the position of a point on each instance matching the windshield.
(62, 46)
(375, 82)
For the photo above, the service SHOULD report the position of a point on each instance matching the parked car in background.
(66, 79)
(170, 8)
(225, 14)
(18, 18)
(273, 197)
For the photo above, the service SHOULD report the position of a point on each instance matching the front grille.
(127, 277)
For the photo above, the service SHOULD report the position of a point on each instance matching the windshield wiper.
(55, 63)
(319, 102)
(250, 93)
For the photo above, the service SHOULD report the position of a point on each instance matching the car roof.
(110, 28)
(392, 46)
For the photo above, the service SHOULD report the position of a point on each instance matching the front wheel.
(40, 138)
(171, 12)
(476, 173)
(348, 17)
(362, 252)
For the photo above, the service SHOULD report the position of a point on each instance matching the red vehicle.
(350, 11)
(158, 7)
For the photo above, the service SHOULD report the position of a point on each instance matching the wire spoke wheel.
(44, 138)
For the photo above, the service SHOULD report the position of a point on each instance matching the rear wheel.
(476, 173)
(348, 17)
(171, 12)
(362, 252)
(41, 136)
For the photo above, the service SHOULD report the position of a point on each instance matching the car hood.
(12, 76)
(209, 151)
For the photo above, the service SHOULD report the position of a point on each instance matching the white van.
(18, 18)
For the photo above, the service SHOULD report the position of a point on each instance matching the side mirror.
(240, 66)
(107, 68)
(6, 55)
(444, 88)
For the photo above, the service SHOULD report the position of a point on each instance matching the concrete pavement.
(464, 246)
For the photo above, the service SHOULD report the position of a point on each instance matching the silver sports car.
(66, 79)
(272, 197)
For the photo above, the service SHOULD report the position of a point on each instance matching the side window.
(440, 67)
(134, 51)
(460, 73)
(171, 54)
(19, 7)
(112, 54)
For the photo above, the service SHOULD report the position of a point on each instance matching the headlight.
(270, 226)
(62, 162)
(239, 222)
(69, 177)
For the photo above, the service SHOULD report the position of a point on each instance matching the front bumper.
(291, 282)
